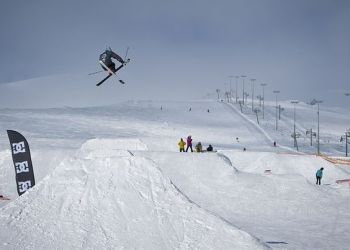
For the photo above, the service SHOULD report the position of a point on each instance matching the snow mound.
(110, 147)
(285, 164)
(283, 204)
(113, 203)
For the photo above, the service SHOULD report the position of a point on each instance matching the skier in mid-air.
(108, 65)
(106, 58)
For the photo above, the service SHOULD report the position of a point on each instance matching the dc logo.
(24, 186)
(21, 167)
(18, 147)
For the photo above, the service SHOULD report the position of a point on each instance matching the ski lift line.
(266, 135)
(267, 138)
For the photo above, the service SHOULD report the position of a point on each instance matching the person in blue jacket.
(319, 174)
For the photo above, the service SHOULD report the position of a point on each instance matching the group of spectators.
(198, 147)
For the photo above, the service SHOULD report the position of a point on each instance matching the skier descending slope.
(108, 65)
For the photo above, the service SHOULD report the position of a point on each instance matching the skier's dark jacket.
(106, 57)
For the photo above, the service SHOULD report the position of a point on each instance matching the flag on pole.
(22, 161)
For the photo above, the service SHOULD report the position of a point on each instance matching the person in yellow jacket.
(182, 145)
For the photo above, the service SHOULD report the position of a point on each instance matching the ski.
(3, 198)
(111, 72)
(103, 80)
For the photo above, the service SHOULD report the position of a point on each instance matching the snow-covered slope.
(112, 177)
(278, 207)
(333, 124)
(113, 201)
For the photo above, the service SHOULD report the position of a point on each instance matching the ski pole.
(96, 72)
(126, 54)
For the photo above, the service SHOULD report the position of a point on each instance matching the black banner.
(22, 161)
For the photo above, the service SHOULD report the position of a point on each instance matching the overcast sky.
(185, 47)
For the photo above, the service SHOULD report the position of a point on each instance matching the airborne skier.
(108, 65)
(106, 58)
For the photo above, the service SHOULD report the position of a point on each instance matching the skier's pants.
(318, 180)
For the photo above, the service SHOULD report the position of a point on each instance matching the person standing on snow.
(106, 58)
(319, 174)
(189, 143)
(182, 145)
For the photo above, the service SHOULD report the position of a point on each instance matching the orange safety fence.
(335, 160)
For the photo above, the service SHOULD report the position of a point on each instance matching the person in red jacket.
(189, 143)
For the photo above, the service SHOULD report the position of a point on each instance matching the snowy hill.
(116, 201)
(112, 177)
